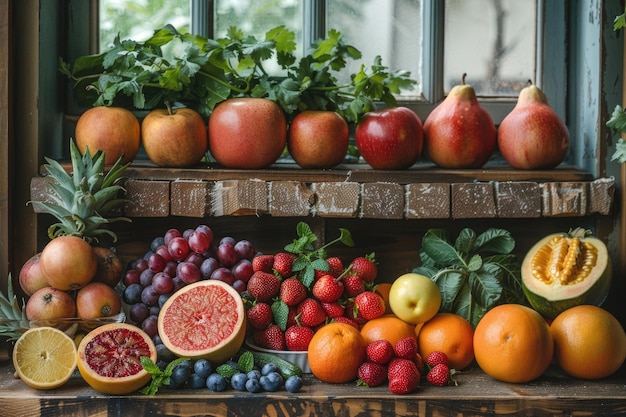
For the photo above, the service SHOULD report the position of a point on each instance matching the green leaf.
(226, 370)
(465, 242)
(280, 312)
(485, 285)
(495, 241)
(245, 362)
(475, 263)
(450, 282)
(439, 249)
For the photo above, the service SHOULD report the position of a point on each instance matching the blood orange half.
(205, 319)
(109, 358)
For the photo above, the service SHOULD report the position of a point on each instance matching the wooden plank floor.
(476, 394)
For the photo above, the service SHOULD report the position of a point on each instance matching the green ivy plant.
(617, 122)
(199, 72)
(474, 273)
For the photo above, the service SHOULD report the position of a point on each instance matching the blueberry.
(161, 365)
(203, 368)
(232, 364)
(293, 383)
(175, 385)
(253, 385)
(238, 381)
(216, 382)
(180, 374)
(267, 368)
(254, 374)
(271, 382)
(196, 381)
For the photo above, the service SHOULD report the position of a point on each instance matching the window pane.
(138, 19)
(389, 28)
(493, 41)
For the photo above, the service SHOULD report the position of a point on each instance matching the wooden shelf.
(554, 394)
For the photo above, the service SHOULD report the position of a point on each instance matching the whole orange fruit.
(113, 130)
(589, 342)
(513, 343)
(451, 334)
(388, 327)
(383, 290)
(335, 353)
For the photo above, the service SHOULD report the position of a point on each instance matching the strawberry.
(370, 305)
(371, 374)
(365, 267)
(263, 286)
(353, 312)
(353, 285)
(327, 289)
(403, 376)
(263, 263)
(420, 363)
(336, 266)
(291, 316)
(406, 348)
(298, 337)
(347, 320)
(334, 309)
(260, 315)
(292, 291)
(435, 358)
(270, 338)
(283, 262)
(311, 312)
(379, 351)
(439, 375)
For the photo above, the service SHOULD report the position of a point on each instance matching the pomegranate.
(97, 299)
(49, 304)
(31, 278)
(68, 263)
(110, 267)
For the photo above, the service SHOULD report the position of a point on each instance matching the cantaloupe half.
(564, 270)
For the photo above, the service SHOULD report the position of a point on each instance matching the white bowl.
(300, 358)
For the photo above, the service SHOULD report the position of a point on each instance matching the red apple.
(532, 135)
(318, 139)
(247, 133)
(176, 138)
(390, 138)
(113, 130)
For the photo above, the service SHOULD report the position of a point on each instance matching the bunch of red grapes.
(180, 258)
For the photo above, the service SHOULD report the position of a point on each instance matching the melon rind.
(550, 300)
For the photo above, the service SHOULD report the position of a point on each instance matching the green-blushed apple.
(318, 139)
(112, 130)
(174, 137)
(247, 133)
(390, 138)
(532, 135)
(414, 298)
(459, 133)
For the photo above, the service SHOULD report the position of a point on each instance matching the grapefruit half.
(205, 319)
(109, 358)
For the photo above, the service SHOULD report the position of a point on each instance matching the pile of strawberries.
(402, 366)
(285, 310)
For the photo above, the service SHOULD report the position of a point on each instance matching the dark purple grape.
(162, 283)
(228, 239)
(223, 274)
(131, 277)
(147, 254)
(242, 270)
(170, 234)
(145, 278)
(208, 266)
(194, 258)
(170, 268)
(226, 255)
(150, 326)
(239, 286)
(187, 233)
(244, 249)
(162, 299)
(132, 294)
(149, 296)
(156, 263)
(178, 248)
(156, 242)
(178, 284)
(199, 242)
(207, 231)
(141, 265)
(188, 272)
(138, 312)
(165, 253)
(154, 310)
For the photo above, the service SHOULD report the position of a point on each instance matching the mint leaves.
(172, 67)
(474, 273)
(617, 122)
(159, 377)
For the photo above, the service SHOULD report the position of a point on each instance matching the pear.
(459, 133)
(532, 135)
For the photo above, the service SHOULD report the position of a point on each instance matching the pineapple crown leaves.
(13, 321)
(83, 200)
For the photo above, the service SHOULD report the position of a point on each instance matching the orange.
(383, 290)
(451, 334)
(109, 358)
(589, 342)
(388, 327)
(335, 353)
(44, 357)
(205, 319)
(513, 343)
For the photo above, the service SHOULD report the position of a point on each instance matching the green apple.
(414, 298)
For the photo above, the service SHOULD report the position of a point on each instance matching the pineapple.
(13, 321)
(84, 199)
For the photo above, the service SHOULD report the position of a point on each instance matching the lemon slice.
(44, 357)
